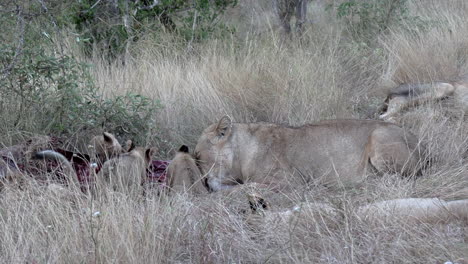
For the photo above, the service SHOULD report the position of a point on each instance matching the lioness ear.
(107, 137)
(184, 149)
(224, 126)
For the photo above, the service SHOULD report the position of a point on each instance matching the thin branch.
(19, 47)
(155, 3)
(194, 26)
(95, 4)
(46, 10)
(54, 23)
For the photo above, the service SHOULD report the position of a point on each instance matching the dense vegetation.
(159, 72)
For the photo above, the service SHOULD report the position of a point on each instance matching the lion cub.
(183, 173)
(104, 147)
(127, 172)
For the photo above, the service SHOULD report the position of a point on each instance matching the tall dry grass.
(263, 78)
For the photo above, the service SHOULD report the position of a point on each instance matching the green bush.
(366, 19)
(56, 94)
(112, 28)
(202, 22)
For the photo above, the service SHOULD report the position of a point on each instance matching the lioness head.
(215, 157)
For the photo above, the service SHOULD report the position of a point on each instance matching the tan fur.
(22, 154)
(184, 175)
(11, 176)
(105, 147)
(410, 95)
(429, 210)
(415, 210)
(125, 173)
(7, 170)
(335, 151)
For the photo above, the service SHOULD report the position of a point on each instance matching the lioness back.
(327, 151)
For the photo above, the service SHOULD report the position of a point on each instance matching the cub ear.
(224, 126)
(149, 153)
(108, 138)
(129, 146)
(184, 149)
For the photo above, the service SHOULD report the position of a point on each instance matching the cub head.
(105, 146)
(183, 173)
(143, 154)
(214, 155)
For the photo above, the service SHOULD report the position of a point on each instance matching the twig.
(19, 47)
(155, 3)
(54, 23)
(189, 45)
(95, 4)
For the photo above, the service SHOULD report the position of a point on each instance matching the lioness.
(423, 209)
(183, 173)
(330, 151)
(428, 210)
(411, 95)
